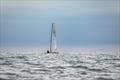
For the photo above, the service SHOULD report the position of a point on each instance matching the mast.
(53, 42)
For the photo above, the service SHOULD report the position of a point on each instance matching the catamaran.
(53, 42)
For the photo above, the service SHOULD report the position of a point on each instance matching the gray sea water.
(19, 64)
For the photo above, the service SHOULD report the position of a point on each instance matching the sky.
(78, 22)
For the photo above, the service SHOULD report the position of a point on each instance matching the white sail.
(53, 43)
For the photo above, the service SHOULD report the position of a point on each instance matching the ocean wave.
(63, 66)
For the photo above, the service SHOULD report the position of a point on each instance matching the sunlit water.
(17, 64)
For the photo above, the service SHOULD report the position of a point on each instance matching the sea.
(69, 64)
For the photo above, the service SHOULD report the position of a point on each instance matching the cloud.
(66, 6)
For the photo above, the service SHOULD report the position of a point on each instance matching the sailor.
(48, 51)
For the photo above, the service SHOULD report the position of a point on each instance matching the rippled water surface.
(17, 64)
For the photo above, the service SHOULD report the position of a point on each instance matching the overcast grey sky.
(78, 22)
